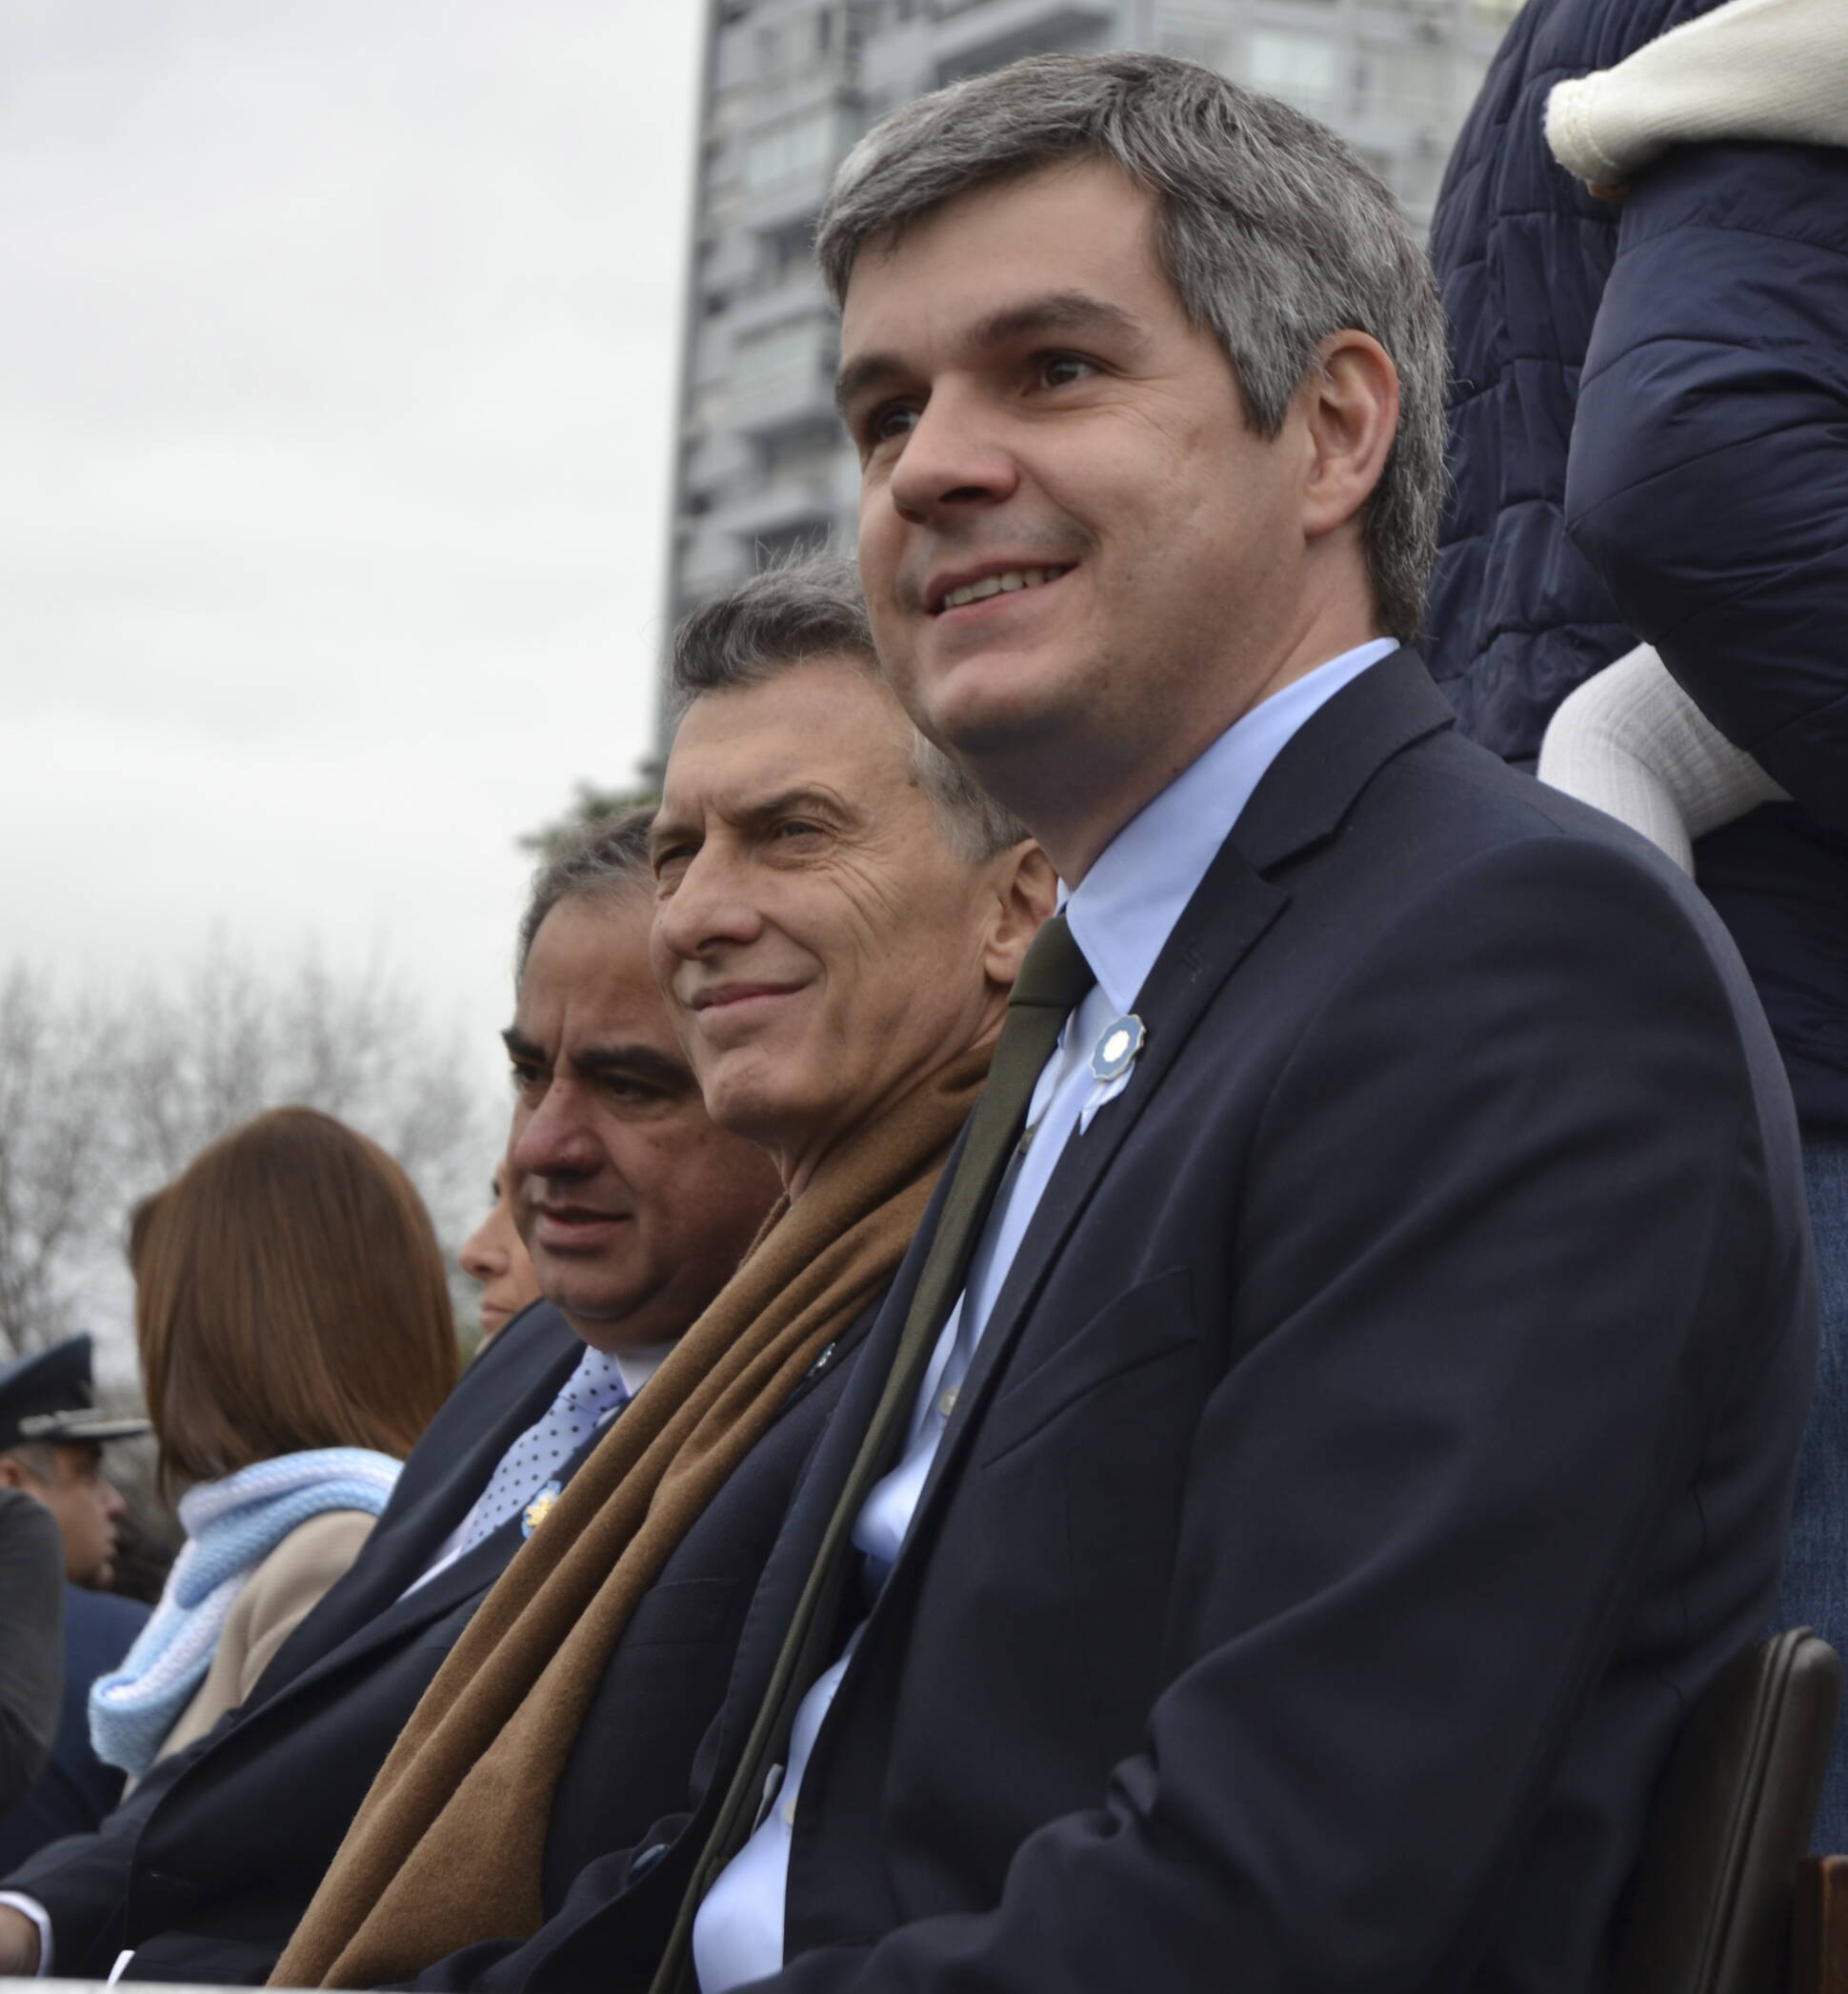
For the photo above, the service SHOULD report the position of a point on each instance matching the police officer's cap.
(48, 1397)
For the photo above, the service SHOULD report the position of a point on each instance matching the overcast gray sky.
(337, 352)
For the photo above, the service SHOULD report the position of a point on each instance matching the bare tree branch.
(107, 1093)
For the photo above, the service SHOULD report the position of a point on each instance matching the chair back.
(1729, 1824)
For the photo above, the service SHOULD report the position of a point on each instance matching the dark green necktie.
(1053, 981)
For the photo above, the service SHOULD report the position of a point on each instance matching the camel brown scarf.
(446, 1849)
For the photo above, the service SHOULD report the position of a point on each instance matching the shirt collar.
(640, 1361)
(1126, 907)
(630, 1367)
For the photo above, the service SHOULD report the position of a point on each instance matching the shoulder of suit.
(100, 1613)
(535, 1340)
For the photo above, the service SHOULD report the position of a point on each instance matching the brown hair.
(289, 1294)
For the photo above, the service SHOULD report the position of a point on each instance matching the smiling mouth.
(1010, 581)
(725, 997)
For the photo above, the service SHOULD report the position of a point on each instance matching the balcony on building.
(782, 378)
(788, 159)
(988, 34)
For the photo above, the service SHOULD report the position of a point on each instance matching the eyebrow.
(644, 1062)
(1060, 311)
(641, 1062)
(798, 796)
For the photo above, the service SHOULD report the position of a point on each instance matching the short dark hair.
(794, 613)
(1270, 227)
(290, 1294)
(607, 859)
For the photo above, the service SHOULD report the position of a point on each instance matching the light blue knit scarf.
(232, 1526)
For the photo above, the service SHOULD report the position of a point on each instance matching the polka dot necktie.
(592, 1393)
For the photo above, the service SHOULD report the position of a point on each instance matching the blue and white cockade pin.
(1118, 1045)
(540, 1507)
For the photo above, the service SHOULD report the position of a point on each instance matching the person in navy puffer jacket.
(1649, 441)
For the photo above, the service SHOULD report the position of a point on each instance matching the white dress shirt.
(1121, 916)
(636, 1367)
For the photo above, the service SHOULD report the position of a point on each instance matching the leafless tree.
(57, 1152)
(107, 1093)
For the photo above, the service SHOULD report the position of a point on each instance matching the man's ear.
(1026, 892)
(12, 1475)
(1351, 403)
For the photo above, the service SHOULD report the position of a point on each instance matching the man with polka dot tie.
(635, 1210)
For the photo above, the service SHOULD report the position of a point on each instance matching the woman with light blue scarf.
(296, 1337)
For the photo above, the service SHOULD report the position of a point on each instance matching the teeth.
(1002, 584)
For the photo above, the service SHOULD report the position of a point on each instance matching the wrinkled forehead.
(824, 724)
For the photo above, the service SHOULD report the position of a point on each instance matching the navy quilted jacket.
(1648, 439)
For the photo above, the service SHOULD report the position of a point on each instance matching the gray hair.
(606, 859)
(794, 613)
(1271, 231)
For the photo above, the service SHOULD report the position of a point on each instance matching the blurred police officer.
(51, 1439)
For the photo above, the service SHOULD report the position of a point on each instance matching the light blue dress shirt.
(1121, 916)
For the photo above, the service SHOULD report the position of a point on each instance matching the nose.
(114, 1502)
(554, 1138)
(709, 907)
(481, 1260)
(953, 461)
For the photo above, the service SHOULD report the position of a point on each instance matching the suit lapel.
(1217, 930)
(506, 1392)
(1318, 779)
(1297, 805)
(812, 1503)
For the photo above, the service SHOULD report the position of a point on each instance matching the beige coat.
(275, 1602)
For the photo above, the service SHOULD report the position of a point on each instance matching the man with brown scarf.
(637, 1210)
(840, 916)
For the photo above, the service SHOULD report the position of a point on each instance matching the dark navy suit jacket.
(76, 1789)
(208, 1868)
(1384, 1433)
(213, 1855)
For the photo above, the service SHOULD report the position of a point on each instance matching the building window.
(778, 357)
(1414, 85)
(808, 450)
(1301, 68)
(793, 148)
(1196, 45)
(786, 254)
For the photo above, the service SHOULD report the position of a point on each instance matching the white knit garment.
(1763, 70)
(1631, 741)
(232, 1526)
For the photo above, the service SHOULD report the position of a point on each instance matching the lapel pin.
(1118, 1045)
(540, 1507)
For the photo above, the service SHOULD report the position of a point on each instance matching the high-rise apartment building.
(761, 465)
